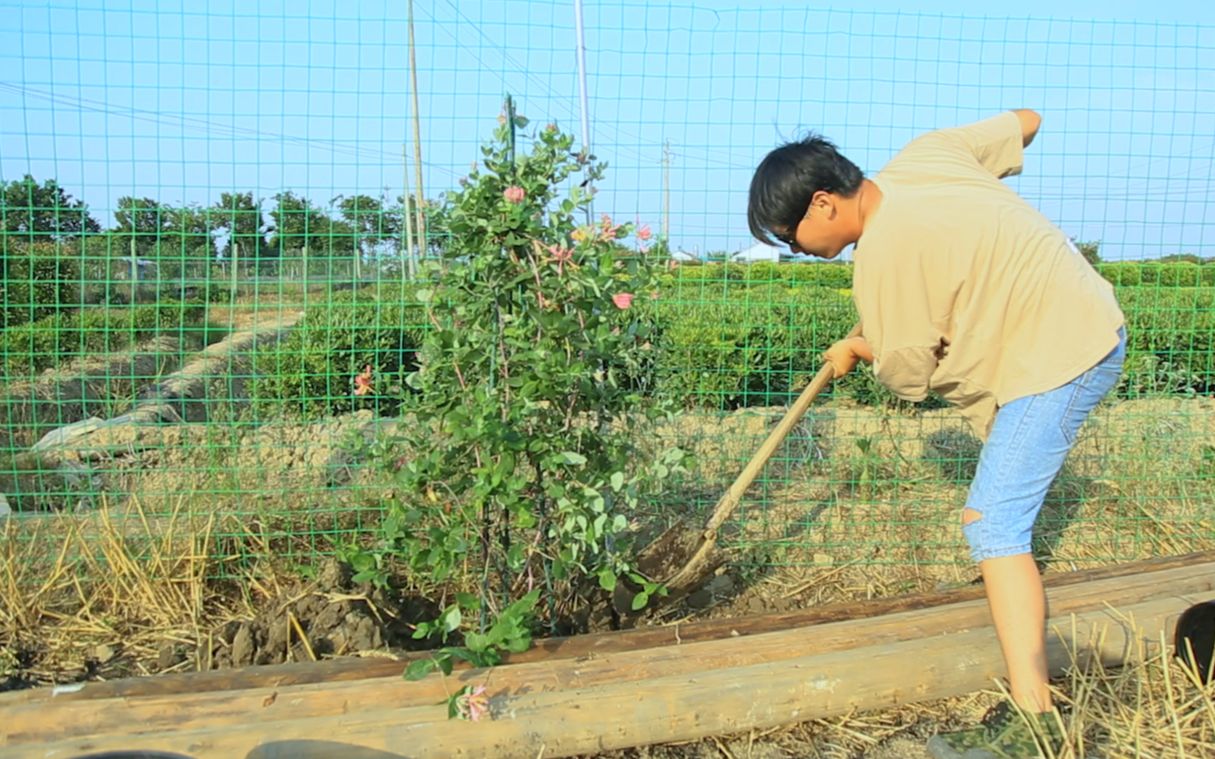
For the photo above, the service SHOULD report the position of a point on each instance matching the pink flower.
(473, 705)
(609, 229)
(622, 300)
(561, 256)
(654, 295)
(514, 194)
(644, 233)
(551, 128)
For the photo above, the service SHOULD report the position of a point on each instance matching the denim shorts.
(1029, 440)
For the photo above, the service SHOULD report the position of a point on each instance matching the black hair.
(789, 176)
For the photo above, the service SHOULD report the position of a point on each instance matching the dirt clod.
(169, 655)
(327, 617)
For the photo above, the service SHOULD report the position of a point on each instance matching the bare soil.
(329, 616)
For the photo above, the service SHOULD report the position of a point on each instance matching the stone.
(701, 599)
(243, 646)
(721, 586)
(169, 655)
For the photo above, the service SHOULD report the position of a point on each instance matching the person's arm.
(996, 144)
(906, 372)
(1030, 121)
(844, 354)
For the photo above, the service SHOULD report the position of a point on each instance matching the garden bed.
(85, 417)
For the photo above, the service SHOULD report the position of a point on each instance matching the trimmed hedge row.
(1165, 274)
(750, 348)
(1171, 340)
(29, 348)
(836, 275)
(312, 371)
(746, 346)
(839, 275)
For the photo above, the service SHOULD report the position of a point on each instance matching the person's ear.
(823, 202)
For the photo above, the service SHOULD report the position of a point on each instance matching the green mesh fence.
(209, 225)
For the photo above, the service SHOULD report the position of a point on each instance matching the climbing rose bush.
(525, 458)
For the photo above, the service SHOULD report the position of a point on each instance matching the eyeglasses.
(792, 241)
(785, 240)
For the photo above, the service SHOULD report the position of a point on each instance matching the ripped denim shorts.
(1029, 441)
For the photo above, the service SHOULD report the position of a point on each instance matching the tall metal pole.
(411, 265)
(586, 109)
(666, 193)
(586, 115)
(417, 142)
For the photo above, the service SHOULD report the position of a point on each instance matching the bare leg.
(1018, 609)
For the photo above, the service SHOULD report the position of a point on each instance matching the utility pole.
(134, 266)
(579, 29)
(580, 50)
(411, 264)
(666, 192)
(417, 142)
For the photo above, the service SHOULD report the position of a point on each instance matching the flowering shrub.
(528, 457)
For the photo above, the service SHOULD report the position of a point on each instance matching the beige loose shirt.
(964, 288)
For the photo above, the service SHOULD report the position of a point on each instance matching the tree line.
(266, 235)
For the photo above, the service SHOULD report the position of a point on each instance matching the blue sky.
(180, 101)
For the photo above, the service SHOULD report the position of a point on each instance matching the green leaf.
(519, 644)
(640, 600)
(451, 618)
(475, 658)
(607, 579)
(572, 457)
(419, 669)
(424, 295)
(515, 557)
(444, 661)
(617, 481)
(476, 641)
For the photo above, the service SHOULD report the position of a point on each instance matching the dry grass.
(872, 499)
(118, 587)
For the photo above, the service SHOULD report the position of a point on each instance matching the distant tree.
(141, 221)
(365, 217)
(298, 225)
(1090, 250)
(42, 212)
(436, 213)
(1183, 258)
(237, 220)
(188, 245)
(38, 268)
